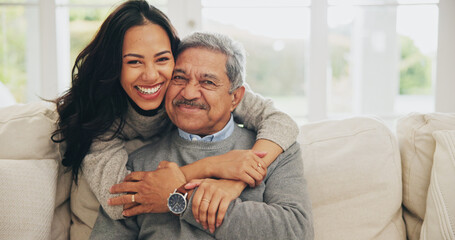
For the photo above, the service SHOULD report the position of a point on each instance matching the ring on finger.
(205, 200)
(259, 165)
(132, 198)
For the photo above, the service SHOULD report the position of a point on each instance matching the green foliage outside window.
(415, 69)
(12, 51)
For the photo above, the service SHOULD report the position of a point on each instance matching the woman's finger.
(254, 174)
(196, 203)
(222, 209)
(193, 184)
(246, 178)
(204, 206)
(260, 154)
(211, 213)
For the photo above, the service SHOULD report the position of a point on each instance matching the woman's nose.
(150, 73)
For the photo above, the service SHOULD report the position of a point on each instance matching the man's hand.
(212, 198)
(244, 165)
(150, 189)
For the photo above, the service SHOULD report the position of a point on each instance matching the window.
(316, 59)
(276, 48)
(382, 58)
(18, 51)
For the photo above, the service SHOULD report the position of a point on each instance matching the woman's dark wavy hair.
(96, 98)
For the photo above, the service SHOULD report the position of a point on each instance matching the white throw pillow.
(34, 190)
(417, 147)
(27, 197)
(354, 179)
(439, 221)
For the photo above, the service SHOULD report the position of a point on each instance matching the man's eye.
(209, 85)
(208, 82)
(178, 80)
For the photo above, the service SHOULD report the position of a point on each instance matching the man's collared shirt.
(218, 136)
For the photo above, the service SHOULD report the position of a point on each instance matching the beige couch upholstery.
(359, 185)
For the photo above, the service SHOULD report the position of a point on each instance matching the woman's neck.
(147, 113)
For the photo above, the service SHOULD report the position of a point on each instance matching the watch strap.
(182, 189)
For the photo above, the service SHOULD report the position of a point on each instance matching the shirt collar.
(218, 136)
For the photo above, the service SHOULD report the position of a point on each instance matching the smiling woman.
(147, 65)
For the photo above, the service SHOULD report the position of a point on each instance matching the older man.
(206, 87)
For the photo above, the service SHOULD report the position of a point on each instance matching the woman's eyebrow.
(141, 56)
(162, 52)
(133, 55)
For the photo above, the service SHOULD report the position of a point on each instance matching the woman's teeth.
(144, 90)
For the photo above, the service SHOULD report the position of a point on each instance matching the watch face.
(176, 203)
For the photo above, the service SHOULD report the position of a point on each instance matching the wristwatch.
(177, 201)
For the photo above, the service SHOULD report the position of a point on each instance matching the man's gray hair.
(236, 57)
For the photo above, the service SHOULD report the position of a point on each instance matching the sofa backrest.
(353, 171)
(417, 146)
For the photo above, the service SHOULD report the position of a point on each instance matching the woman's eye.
(133, 62)
(163, 59)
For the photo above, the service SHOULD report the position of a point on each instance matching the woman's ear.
(237, 96)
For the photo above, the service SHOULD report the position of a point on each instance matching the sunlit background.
(316, 59)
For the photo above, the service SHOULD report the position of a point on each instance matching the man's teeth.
(144, 90)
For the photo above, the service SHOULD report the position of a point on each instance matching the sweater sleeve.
(259, 114)
(285, 212)
(104, 166)
(107, 228)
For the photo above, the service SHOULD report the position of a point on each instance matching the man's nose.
(192, 90)
(150, 73)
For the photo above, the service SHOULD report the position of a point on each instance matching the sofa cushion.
(34, 185)
(27, 194)
(439, 221)
(353, 171)
(417, 147)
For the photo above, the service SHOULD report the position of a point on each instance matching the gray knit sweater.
(279, 208)
(104, 165)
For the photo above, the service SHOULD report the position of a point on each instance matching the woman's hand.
(211, 200)
(148, 191)
(244, 165)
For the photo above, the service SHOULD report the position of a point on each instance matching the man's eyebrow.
(178, 70)
(210, 76)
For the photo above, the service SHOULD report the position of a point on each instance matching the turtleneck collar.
(146, 113)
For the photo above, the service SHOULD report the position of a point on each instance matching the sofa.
(366, 181)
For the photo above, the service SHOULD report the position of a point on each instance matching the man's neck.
(218, 136)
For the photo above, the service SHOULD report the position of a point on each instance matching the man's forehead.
(201, 73)
(201, 62)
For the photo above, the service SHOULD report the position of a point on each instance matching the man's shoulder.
(244, 134)
(151, 148)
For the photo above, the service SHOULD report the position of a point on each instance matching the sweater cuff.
(283, 135)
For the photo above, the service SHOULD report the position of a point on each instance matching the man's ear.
(237, 96)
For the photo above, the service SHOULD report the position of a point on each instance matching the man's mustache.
(192, 103)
